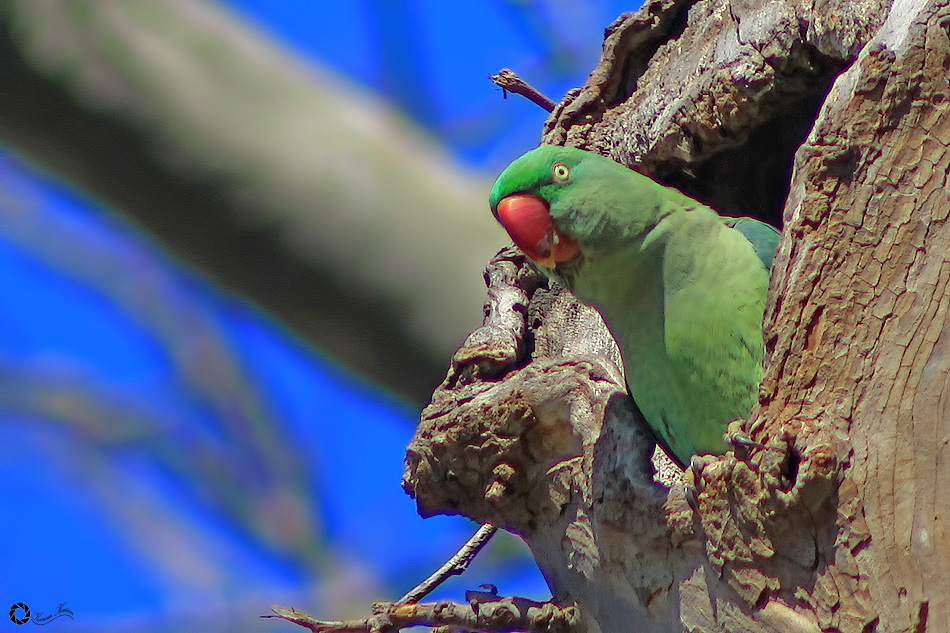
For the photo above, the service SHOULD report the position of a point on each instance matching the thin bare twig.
(453, 567)
(509, 81)
(485, 610)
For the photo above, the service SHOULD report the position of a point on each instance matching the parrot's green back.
(682, 291)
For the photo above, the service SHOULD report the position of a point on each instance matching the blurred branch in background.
(237, 456)
(186, 463)
(175, 450)
(283, 182)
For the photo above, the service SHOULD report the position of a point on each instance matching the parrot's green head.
(560, 204)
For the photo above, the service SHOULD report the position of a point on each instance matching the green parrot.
(681, 288)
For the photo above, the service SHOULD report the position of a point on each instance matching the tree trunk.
(832, 116)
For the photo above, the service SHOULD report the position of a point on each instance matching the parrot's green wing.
(764, 237)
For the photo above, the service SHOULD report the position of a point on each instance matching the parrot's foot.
(737, 437)
(741, 443)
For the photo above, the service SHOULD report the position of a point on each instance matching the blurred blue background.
(171, 458)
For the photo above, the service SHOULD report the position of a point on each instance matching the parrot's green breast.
(686, 311)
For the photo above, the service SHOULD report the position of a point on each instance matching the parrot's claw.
(691, 496)
(694, 482)
(741, 443)
(739, 439)
(696, 465)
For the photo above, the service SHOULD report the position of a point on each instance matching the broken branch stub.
(521, 406)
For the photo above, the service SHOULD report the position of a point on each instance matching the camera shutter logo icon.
(15, 616)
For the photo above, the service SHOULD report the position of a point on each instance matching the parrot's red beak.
(531, 227)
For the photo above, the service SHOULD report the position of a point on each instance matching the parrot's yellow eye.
(561, 172)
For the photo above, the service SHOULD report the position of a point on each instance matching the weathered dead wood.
(483, 613)
(509, 81)
(834, 114)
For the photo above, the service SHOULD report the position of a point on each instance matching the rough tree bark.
(835, 115)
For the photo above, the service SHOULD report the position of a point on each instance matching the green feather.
(681, 288)
(764, 237)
